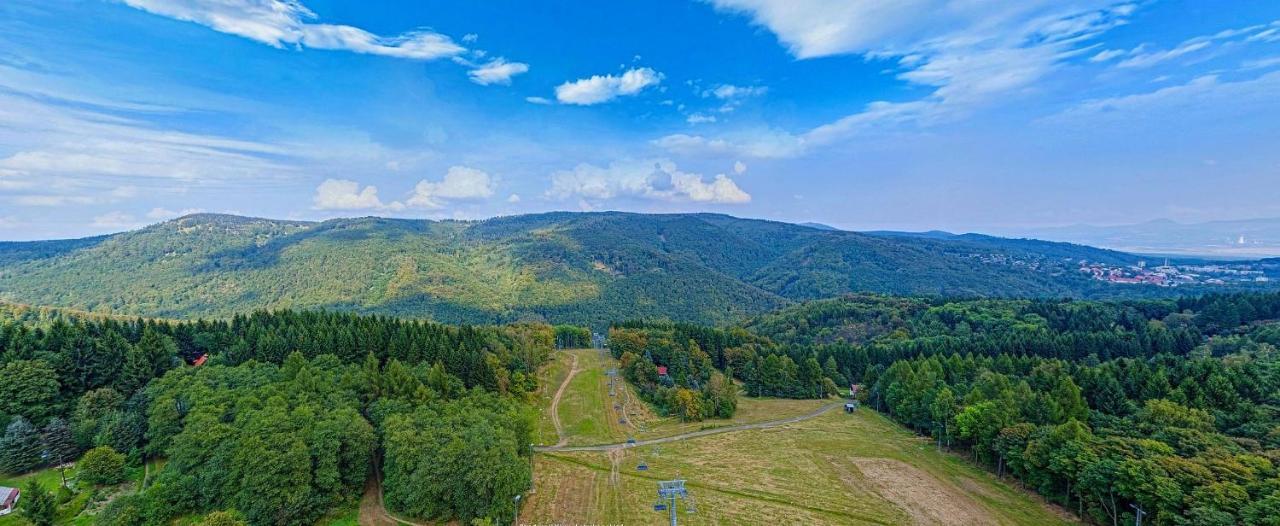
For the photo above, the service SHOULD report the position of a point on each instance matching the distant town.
(1173, 275)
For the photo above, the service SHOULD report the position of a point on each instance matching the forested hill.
(586, 268)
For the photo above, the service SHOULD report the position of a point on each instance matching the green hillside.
(588, 268)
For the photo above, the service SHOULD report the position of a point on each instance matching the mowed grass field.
(591, 416)
(834, 469)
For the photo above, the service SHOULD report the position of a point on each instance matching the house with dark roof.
(8, 500)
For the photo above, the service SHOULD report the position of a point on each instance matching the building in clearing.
(8, 500)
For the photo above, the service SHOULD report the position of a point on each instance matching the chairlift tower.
(670, 492)
(613, 381)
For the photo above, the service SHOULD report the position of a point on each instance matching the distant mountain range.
(1252, 238)
(589, 268)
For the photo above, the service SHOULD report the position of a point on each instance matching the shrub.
(102, 466)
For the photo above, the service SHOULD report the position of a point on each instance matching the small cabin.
(662, 370)
(200, 361)
(8, 500)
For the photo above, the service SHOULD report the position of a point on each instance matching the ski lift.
(659, 507)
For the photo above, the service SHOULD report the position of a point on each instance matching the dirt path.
(694, 434)
(555, 402)
(373, 512)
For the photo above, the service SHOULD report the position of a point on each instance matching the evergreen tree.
(60, 445)
(37, 505)
(21, 447)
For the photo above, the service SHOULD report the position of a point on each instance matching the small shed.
(662, 370)
(200, 361)
(8, 500)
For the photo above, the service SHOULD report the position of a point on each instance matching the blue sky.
(906, 114)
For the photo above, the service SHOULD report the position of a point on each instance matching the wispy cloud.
(1206, 94)
(604, 88)
(1145, 55)
(698, 118)
(115, 221)
(970, 53)
(497, 71)
(729, 91)
(287, 22)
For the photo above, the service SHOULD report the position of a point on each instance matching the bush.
(222, 518)
(102, 466)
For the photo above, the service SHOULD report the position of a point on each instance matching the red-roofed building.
(200, 361)
(8, 500)
(662, 370)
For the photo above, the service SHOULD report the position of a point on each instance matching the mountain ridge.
(587, 268)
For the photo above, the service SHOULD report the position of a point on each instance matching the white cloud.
(1143, 57)
(768, 144)
(657, 179)
(164, 213)
(698, 118)
(460, 183)
(604, 88)
(116, 220)
(497, 71)
(972, 55)
(1261, 63)
(53, 138)
(286, 22)
(513, 198)
(729, 91)
(739, 167)
(470, 37)
(537, 100)
(1107, 54)
(1267, 35)
(1207, 96)
(341, 194)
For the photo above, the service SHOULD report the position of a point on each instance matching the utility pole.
(1139, 513)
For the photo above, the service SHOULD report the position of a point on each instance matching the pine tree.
(37, 505)
(20, 448)
(60, 445)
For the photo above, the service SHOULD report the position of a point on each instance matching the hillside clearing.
(832, 469)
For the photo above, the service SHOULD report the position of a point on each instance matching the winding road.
(694, 434)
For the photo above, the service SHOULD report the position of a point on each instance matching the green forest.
(1168, 406)
(285, 417)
